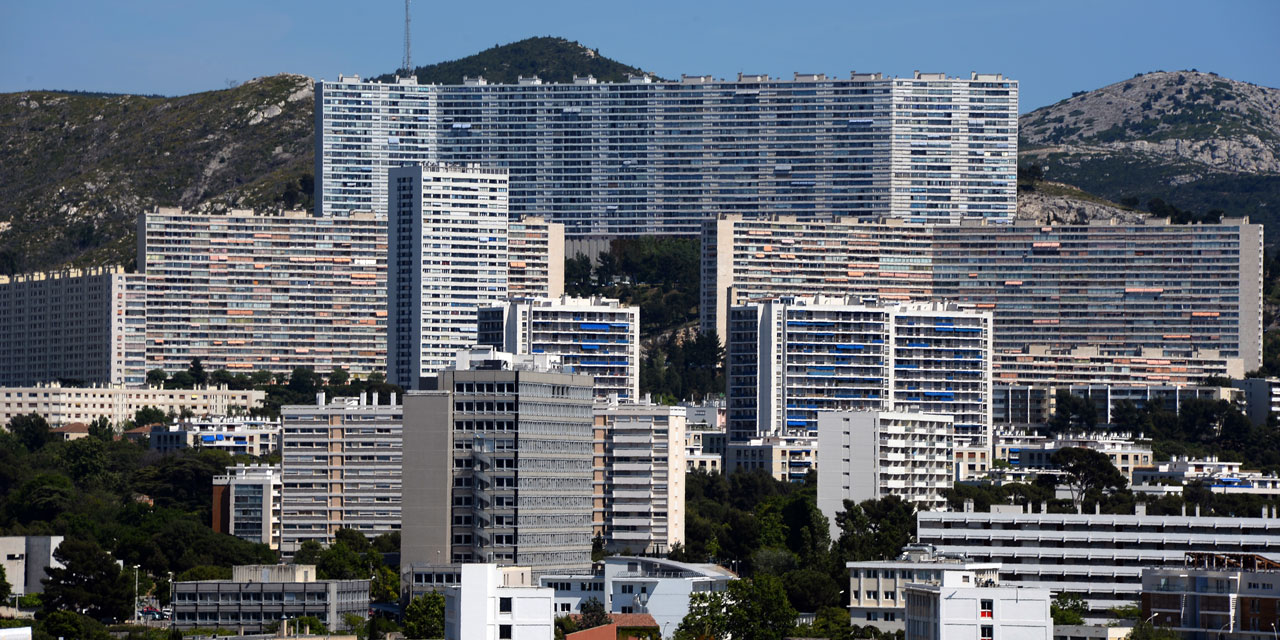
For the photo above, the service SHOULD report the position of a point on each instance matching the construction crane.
(408, 58)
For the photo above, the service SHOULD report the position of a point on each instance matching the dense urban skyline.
(144, 46)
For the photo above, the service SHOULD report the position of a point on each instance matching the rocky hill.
(1195, 140)
(551, 59)
(75, 170)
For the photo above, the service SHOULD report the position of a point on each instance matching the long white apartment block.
(644, 157)
(877, 589)
(248, 291)
(597, 337)
(82, 326)
(535, 251)
(448, 257)
(640, 467)
(341, 468)
(1152, 296)
(1099, 557)
(791, 358)
(61, 405)
(868, 455)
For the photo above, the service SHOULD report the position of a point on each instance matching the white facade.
(25, 559)
(597, 337)
(603, 159)
(656, 586)
(640, 467)
(1098, 556)
(868, 455)
(341, 468)
(247, 503)
(877, 590)
(964, 607)
(494, 603)
(792, 358)
(1217, 475)
(536, 266)
(63, 405)
(448, 257)
(240, 435)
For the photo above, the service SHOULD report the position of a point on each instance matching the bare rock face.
(1055, 210)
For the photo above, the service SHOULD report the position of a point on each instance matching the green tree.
(1146, 631)
(101, 429)
(875, 529)
(1089, 473)
(89, 582)
(311, 625)
(32, 430)
(84, 459)
(304, 381)
(70, 624)
(565, 625)
(424, 617)
(593, 614)
(181, 380)
(157, 378)
(759, 609)
(706, 619)
(148, 416)
(339, 377)
(385, 586)
(811, 590)
(1068, 608)
(5, 587)
(198, 375)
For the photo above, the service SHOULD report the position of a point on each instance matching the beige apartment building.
(63, 405)
(639, 476)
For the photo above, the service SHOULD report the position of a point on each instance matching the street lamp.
(135, 594)
(1274, 633)
(1223, 628)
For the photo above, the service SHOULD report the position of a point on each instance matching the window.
(504, 631)
(985, 606)
(871, 595)
(986, 633)
(504, 605)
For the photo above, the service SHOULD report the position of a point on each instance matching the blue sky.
(176, 47)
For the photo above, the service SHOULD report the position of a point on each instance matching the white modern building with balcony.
(964, 606)
(497, 603)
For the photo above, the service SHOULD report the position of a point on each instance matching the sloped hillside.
(551, 59)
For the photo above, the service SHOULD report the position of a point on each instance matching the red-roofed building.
(624, 627)
(73, 431)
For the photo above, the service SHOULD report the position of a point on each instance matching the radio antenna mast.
(408, 58)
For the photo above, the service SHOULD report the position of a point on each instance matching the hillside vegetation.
(1196, 140)
(551, 59)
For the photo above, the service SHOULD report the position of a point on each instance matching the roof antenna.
(408, 58)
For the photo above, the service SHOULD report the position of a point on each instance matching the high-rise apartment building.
(645, 157)
(1146, 291)
(597, 337)
(448, 258)
(245, 291)
(868, 455)
(498, 468)
(639, 483)
(84, 326)
(791, 358)
(246, 503)
(535, 265)
(340, 469)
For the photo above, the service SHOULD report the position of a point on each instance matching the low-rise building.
(61, 405)
(1261, 397)
(1215, 595)
(1091, 632)
(704, 448)
(868, 455)
(246, 503)
(25, 560)
(1126, 455)
(786, 458)
(240, 435)
(1100, 557)
(625, 584)
(877, 589)
(964, 605)
(259, 595)
(639, 471)
(493, 603)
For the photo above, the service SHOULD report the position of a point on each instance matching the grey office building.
(498, 468)
(644, 157)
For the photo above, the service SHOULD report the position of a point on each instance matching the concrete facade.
(497, 603)
(239, 435)
(258, 595)
(247, 503)
(608, 159)
(448, 258)
(877, 590)
(25, 560)
(1215, 596)
(64, 405)
(639, 476)
(963, 606)
(341, 468)
(597, 337)
(77, 325)
(535, 249)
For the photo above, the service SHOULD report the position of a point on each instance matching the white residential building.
(624, 584)
(964, 606)
(535, 268)
(1127, 456)
(247, 503)
(868, 455)
(257, 596)
(602, 158)
(1097, 556)
(1217, 475)
(240, 435)
(341, 468)
(498, 603)
(877, 589)
(640, 467)
(447, 238)
(25, 559)
(64, 405)
(597, 337)
(704, 447)
(786, 458)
